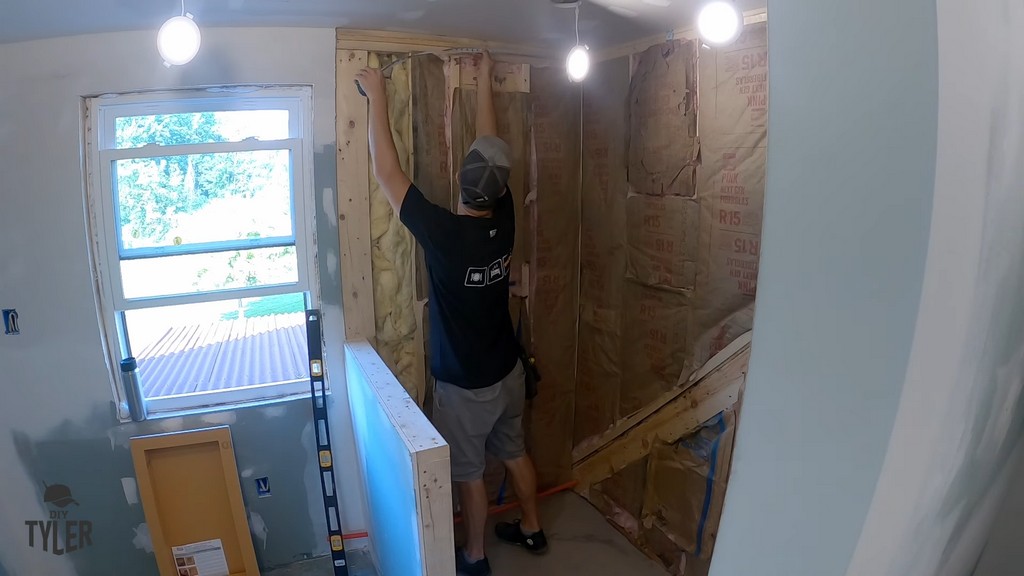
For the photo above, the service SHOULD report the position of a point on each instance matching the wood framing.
(381, 41)
(354, 199)
(508, 77)
(591, 445)
(714, 393)
(190, 492)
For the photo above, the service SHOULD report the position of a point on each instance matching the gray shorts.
(484, 420)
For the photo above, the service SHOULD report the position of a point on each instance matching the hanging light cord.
(577, 27)
(182, 7)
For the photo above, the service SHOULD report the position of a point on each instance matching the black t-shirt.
(472, 342)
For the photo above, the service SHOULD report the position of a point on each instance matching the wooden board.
(190, 492)
(354, 199)
(739, 346)
(714, 393)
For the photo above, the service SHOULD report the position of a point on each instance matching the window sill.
(222, 401)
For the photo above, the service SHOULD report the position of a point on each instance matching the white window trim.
(100, 113)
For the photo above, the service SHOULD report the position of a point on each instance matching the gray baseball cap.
(485, 172)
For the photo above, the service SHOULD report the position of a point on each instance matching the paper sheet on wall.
(201, 559)
(663, 150)
(603, 247)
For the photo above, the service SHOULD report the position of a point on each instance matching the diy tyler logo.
(75, 534)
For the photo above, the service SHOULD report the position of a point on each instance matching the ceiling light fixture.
(577, 63)
(179, 39)
(719, 23)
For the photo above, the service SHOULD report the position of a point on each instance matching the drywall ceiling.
(536, 22)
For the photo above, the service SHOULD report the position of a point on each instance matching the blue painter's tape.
(706, 509)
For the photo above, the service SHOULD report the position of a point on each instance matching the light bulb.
(577, 64)
(178, 40)
(719, 23)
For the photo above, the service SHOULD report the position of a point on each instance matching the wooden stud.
(354, 199)
(507, 77)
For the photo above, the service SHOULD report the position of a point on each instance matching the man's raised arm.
(387, 169)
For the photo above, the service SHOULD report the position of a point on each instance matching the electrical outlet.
(263, 487)
(11, 324)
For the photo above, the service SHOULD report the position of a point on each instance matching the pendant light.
(179, 39)
(577, 63)
(719, 23)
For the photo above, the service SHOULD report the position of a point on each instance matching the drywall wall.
(387, 467)
(56, 418)
(961, 414)
(406, 465)
(848, 201)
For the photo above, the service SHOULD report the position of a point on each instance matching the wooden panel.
(190, 492)
(354, 199)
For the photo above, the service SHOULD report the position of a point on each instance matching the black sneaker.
(464, 567)
(512, 533)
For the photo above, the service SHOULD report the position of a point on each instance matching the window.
(201, 211)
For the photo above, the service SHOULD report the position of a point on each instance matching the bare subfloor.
(582, 543)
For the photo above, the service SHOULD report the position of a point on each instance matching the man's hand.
(372, 82)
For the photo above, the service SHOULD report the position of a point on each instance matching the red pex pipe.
(549, 492)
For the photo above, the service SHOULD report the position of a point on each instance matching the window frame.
(99, 141)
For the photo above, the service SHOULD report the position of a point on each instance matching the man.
(479, 395)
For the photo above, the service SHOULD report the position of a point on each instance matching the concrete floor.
(581, 543)
(359, 564)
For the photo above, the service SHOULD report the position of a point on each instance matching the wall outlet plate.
(263, 487)
(11, 324)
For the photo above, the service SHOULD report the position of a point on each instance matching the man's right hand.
(372, 82)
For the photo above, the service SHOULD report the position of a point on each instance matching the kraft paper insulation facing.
(671, 222)
(671, 245)
(554, 276)
(603, 256)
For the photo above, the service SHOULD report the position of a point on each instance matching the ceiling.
(534, 22)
